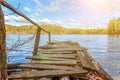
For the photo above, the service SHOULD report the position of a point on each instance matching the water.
(103, 48)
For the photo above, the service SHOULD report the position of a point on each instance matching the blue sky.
(68, 13)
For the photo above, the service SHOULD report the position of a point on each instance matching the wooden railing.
(38, 34)
(4, 3)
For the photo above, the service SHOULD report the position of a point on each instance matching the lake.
(103, 48)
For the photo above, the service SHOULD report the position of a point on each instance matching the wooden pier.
(59, 60)
(54, 61)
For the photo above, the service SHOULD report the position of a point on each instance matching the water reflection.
(113, 60)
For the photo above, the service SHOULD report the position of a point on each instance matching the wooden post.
(3, 59)
(49, 36)
(37, 41)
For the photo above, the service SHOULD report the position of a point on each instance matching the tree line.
(113, 28)
(54, 29)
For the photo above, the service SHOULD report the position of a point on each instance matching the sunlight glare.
(95, 4)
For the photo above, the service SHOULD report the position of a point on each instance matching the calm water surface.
(105, 49)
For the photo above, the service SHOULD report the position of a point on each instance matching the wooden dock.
(54, 61)
(59, 61)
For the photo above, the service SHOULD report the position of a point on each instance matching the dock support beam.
(3, 58)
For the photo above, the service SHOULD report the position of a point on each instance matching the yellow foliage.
(114, 26)
(54, 29)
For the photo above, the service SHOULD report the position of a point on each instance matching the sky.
(67, 13)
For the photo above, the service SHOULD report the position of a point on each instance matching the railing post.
(3, 59)
(49, 36)
(37, 40)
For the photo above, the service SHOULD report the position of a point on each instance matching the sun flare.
(95, 4)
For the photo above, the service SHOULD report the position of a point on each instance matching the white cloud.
(27, 9)
(12, 18)
(58, 22)
(53, 6)
(48, 21)
(70, 20)
(45, 20)
(18, 19)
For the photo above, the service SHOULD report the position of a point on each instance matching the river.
(103, 48)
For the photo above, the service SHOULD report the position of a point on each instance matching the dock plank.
(39, 74)
(82, 59)
(51, 67)
(56, 56)
(48, 58)
(65, 49)
(89, 60)
(55, 52)
(54, 46)
(56, 62)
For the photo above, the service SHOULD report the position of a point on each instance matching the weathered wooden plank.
(51, 67)
(55, 52)
(84, 62)
(64, 42)
(65, 49)
(42, 66)
(45, 78)
(39, 74)
(56, 62)
(56, 56)
(53, 46)
(48, 58)
(12, 66)
(101, 72)
(89, 60)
